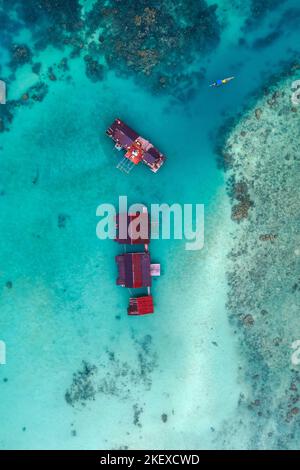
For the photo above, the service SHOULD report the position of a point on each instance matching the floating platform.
(137, 149)
(135, 270)
(133, 229)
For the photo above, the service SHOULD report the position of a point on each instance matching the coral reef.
(94, 70)
(51, 22)
(258, 10)
(114, 377)
(20, 55)
(263, 175)
(154, 42)
(240, 193)
(65, 14)
(35, 93)
(267, 40)
(137, 411)
(62, 220)
(82, 388)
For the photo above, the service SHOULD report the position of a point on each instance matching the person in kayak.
(221, 82)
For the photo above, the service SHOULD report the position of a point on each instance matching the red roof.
(141, 305)
(135, 153)
(136, 147)
(142, 229)
(134, 270)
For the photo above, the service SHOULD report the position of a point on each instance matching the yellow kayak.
(221, 82)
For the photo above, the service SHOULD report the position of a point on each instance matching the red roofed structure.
(135, 270)
(137, 149)
(133, 229)
(140, 305)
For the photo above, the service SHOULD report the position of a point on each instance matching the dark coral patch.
(82, 388)
(20, 55)
(155, 43)
(94, 70)
(114, 377)
(62, 220)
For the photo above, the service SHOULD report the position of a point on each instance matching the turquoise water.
(63, 307)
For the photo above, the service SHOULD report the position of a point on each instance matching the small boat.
(219, 83)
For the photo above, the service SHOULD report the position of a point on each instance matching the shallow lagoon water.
(65, 289)
(64, 308)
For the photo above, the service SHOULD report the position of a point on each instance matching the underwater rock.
(248, 320)
(82, 388)
(9, 284)
(241, 190)
(137, 411)
(36, 68)
(36, 177)
(292, 413)
(7, 114)
(62, 220)
(240, 211)
(63, 64)
(273, 100)
(268, 237)
(39, 91)
(164, 417)
(267, 40)
(51, 74)
(163, 80)
(20, 55)
(258, 112)
(94, 70)
(258, 9)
